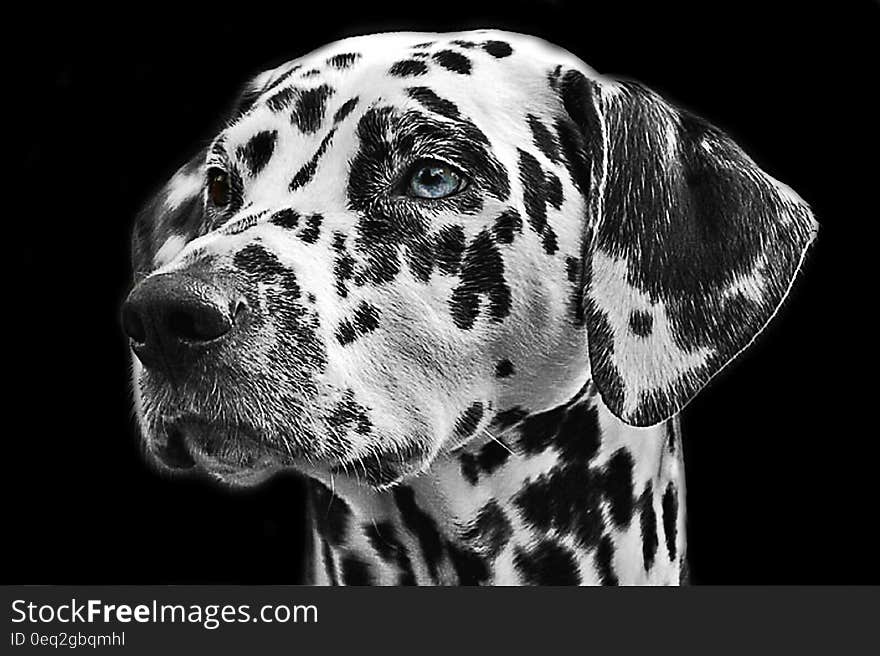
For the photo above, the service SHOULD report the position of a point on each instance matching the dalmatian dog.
(465, 285)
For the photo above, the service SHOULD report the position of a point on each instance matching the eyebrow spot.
(257, 152)
(343, 60)
(408, 68)
(307, 172)
(453, 61)
(498, 49)
(434, 103)
(346, 109)
(310, 106)
(281, 100)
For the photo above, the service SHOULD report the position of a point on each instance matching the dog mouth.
(234, 454)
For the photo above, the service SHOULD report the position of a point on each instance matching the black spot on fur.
(311, 73)
(310, 107)
(506, 225)
(366, 320)
(554, 190)
(670, 518)
(453, 61)
(641, 323)
(469, 420)
(383, 538)
(574, 271)
(281, 100)
(343, 60)
(343, 265)
(508, 418)
(305, 174)
(648, 525)
(408, 68)
(503, 368)
(566, 500)
(539, 430)
(355, 571)
(422, 526)
(286, 218)
(450, 247)
(482, 273)
(544, 139)
(469, 468)
(348, 413)
(257, 152)
(281, 78)
(548, 563)
(434, 103)
(463, 44)
(499, 49)
(469, 567)
(265, 266)
(619, 487)
(312, 231)
(490, 531)
(492, 455)
(344, 110)
(331, 514)
(604, 561)
(280, 303)
(579, 435)
(535, 197)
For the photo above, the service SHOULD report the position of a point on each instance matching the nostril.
(133, 325)
(201, 323)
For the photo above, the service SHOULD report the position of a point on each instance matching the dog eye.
(434, 179)
(218, 187)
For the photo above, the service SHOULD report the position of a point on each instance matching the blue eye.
(433, 179)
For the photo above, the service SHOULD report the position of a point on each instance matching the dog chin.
(233, 455)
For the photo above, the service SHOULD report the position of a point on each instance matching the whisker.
(495, 439)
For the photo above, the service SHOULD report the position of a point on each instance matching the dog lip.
(192, 443)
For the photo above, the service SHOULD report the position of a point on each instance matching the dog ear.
(169, 219)
(174, 215)
(690, 249)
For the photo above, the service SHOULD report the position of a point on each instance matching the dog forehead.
(489, 74)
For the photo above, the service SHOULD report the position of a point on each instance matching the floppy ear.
(174, 214)
(690, 252)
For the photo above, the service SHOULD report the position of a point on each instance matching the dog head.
(400, 237)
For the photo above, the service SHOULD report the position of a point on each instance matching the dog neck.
(566, 496)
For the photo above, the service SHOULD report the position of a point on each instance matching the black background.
(780, 449)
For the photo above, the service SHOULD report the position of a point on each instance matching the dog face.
(402, 240)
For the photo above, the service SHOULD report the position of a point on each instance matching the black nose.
(171, 317)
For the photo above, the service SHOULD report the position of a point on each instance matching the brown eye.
(218, 187)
